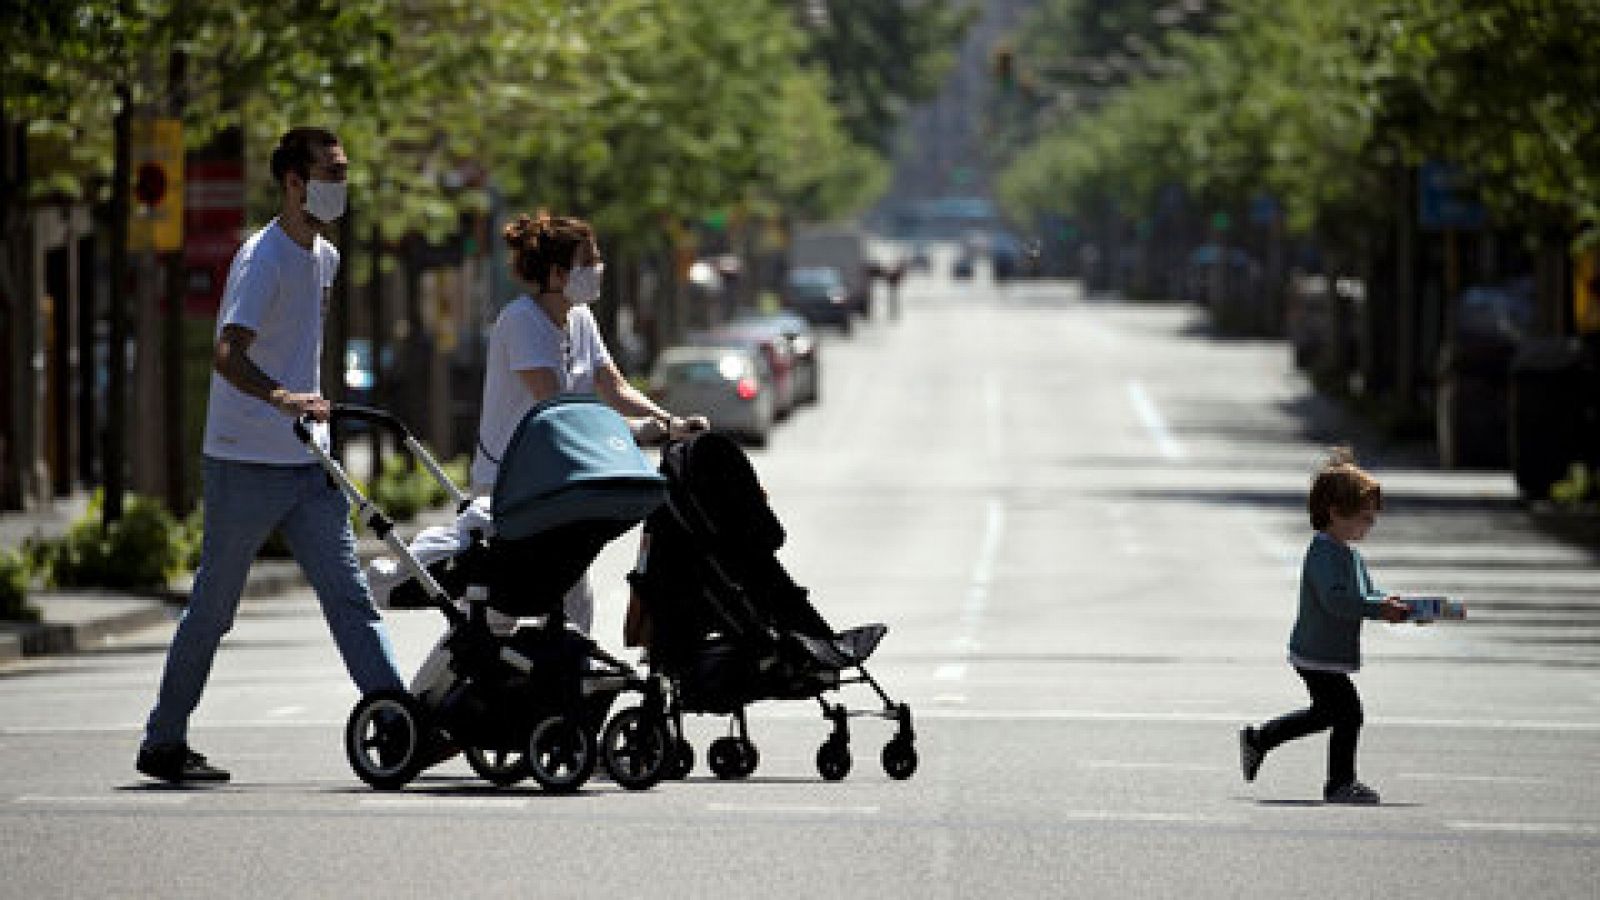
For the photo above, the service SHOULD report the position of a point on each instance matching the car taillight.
(747, 388)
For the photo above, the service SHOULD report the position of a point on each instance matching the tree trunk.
(115, 453)
(176, 444)
(17, 311)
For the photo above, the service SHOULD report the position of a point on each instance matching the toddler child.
(1336, 594)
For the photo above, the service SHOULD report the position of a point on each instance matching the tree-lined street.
(1082, 521)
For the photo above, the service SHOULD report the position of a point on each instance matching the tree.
(883, 57)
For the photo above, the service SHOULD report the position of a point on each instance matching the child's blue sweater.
(1336, 593)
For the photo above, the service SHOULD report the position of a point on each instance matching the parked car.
(803, 346)
(1473, 374)
(730, 385)
(770, 346)
(818, 293)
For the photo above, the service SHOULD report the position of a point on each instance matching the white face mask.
(325, 199)
(583, 284)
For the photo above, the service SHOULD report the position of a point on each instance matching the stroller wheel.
(899, 759)
(682, 762)
(634, 748)
(561, 754)
(732, 757)
(502, 768)
(833, 759)
(383, 739)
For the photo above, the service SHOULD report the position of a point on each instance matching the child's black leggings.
(1334, 704)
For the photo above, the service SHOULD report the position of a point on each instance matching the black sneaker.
(1250, 753)
(176, 763)
(1354, 794)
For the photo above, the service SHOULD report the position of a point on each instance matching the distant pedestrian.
(258, 477)
(1336, 594)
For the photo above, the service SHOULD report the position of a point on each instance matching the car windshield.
(706, 370)
(817, 280)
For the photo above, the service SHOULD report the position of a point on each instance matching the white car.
(731, 386)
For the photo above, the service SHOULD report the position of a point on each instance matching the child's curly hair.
(1343, 487)
(537, 243)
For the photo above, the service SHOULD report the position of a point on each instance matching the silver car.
(730, 385)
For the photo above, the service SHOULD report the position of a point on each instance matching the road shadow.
(186, 787)
(1306, 803)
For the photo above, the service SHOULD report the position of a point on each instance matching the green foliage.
(404, 491)
(1508, 90)
(638, 112)
(139, 551)
(1578, 487)
(884, 57)
(1319, 102)
(14, 581)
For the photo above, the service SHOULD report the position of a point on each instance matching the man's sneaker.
(177, 763)
(1354, 793)
(1250, 753)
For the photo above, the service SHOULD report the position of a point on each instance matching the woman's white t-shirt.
(525, 338)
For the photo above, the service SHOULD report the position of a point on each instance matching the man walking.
(257, 475)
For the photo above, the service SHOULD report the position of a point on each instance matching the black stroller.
(726, 625)
(531, 701)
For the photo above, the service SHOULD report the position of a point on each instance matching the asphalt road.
(1082, 522)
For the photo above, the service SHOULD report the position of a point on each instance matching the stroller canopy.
(572, 459)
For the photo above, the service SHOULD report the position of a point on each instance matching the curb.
(75, 621)
(78, 620)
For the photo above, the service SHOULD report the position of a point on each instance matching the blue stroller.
(531, 702)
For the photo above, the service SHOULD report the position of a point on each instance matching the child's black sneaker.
(1250, 753)
(1354, 794)
(176, 763)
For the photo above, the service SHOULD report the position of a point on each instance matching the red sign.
(214, 228)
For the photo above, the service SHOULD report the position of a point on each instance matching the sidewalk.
(73, 621)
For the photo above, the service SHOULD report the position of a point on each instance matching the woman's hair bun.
(539, 242)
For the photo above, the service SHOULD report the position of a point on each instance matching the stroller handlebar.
(360, 413)
(353, 411)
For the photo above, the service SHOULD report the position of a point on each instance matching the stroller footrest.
(846, 649)
(859, 643)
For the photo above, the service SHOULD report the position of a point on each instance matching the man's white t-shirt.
(279, 290)
(525, 338)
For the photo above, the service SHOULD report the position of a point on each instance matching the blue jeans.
(244, 503)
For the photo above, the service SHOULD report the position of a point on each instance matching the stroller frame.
(488, 694)
(735, 755)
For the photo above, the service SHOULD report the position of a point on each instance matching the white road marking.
(1233, 718)
(795, 808)
(150, 798)
(805, 711)
(1148, 766)
(994, 430)
(1527, 827)
(1163, 818)
(972, 609)
(1474, 779)
(404, 801)
(1103, 335)
(1150, 416)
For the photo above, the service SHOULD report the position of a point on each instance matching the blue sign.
(1445, 198)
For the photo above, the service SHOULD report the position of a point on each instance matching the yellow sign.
(1586, 291)
(155, 211)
